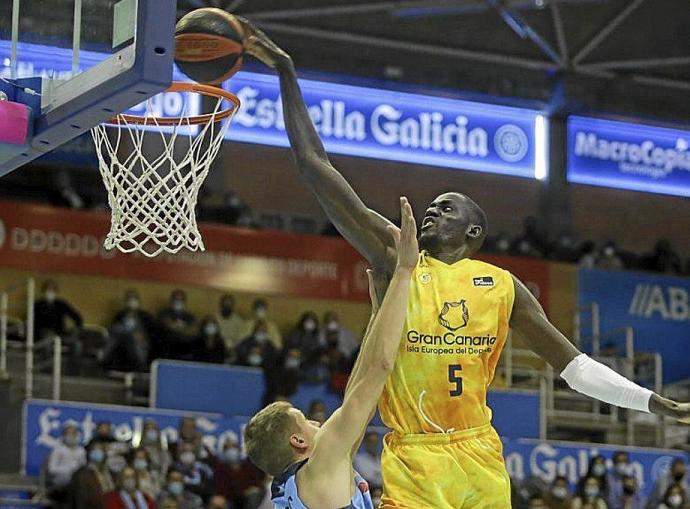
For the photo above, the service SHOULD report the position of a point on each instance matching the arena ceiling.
(622, 56)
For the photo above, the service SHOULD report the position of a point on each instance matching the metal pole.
(630, 351)
(76, 37)
(30, 291)
(57, 367)
(596, 329)
(576, 328)
(542, 408)
(658, 388)
(3, 335)
(15, 39)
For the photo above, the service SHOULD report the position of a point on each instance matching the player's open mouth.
(428, 221)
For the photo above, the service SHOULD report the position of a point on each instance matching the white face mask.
(675, 500)
(560, 492)
(254, 359)
(178, 305)
(129, 484)
(292, 363)
(333, 326)
(133, 304)
(50, 295)
(309, 325)
(211, 329)
(261, 337)
(260, 313)
(187, 458)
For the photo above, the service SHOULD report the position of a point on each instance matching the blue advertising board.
(239, 391)
(526, 458)
(628, 156)
(657, 307)
(352, 120)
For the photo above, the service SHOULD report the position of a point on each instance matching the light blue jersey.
(284, 491)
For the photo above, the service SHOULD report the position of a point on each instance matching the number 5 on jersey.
(454, 378)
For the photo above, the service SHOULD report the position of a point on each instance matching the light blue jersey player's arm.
(329, 468)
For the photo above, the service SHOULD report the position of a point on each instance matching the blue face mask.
(176, 488)
(96, 456)
(599, 470)
(592, 491)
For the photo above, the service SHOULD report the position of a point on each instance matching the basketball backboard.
(92, 58)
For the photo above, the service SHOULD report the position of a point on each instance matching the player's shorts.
(459, 470)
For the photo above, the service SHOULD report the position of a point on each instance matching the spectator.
(676, 475)
(209, 345)
(230, 322)
(51, 313)
(132, 305)
(564, 249)
(305, 336)
(257, 350)
(260, 315)
(608, 258)
(537, 502)
(116, 462)
(559, 496)
(149, 480)
(92, 481)
(128, 348)
(177, 325)
(65, 459)
(530, 242)
(333, 333)
(128, 495)
(663, 259)
(188, 434)
(675, 497)
(588, 255)
(237, 479)
(590, 493)
(197, 475)
(176, 495)
(631, 498)
(217, 502)
(368, 461)
(598, 470)
(317, 411)
(502, 244)
(104, 434)
(152, 442)
(616, 479)
(285, 377)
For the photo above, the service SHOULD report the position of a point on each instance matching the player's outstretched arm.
(364, 228)
(341, 434)
(582, 373)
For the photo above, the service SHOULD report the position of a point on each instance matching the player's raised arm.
(341, 434)
(364, 228)
(582, 373)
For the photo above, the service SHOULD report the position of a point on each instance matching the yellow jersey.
(457, 323)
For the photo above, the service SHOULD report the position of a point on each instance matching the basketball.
(208, 45)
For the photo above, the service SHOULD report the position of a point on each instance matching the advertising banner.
(527, 457)
(628, 156)
(49, 239)
(656, 307)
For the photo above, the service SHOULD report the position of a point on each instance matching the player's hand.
(405, 237)
(669, 408)
(259, 45)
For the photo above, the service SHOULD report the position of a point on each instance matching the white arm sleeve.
(591, 378)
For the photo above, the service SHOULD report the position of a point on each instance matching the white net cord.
(153, 199)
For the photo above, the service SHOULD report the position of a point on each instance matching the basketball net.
(153, 168)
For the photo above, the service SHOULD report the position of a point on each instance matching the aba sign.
(528, 457)
(628, 156)
(657, 308)
(386, 124)
(44, 420)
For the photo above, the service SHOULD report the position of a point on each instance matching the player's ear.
(298, 442)
(474, 231)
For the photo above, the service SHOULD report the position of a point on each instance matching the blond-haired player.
(312, 464)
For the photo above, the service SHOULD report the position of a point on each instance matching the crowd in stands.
(604, 487)
(150, 472)
(532, 242)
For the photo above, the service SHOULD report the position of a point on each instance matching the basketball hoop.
(153, 182)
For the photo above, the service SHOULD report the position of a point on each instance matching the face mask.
(96, 456)
(140, 464)
(116, 464)
(332, 326)
(255, 360)
(592, 492)
(176, 488)
(232, 455)
(675, 500)
(71, 440)
(50, 296)
(622, 468)
(559, 492)
(309, 325)
(129, 484)
(226, 311)
(292, 363)
(261, 337)
(260, 313)
(151, 436)
(178, 305)
(130, 324)
(187, 458)
(599, 470)
(132, 304)
(608, 251)
(210, 329)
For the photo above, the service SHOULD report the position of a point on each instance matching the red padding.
(14, 122)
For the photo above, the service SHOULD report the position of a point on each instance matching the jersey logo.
(454, 315)
(483, 281)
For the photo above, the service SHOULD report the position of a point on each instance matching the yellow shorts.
(460, 470)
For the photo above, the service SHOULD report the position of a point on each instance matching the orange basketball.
(209, 45)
